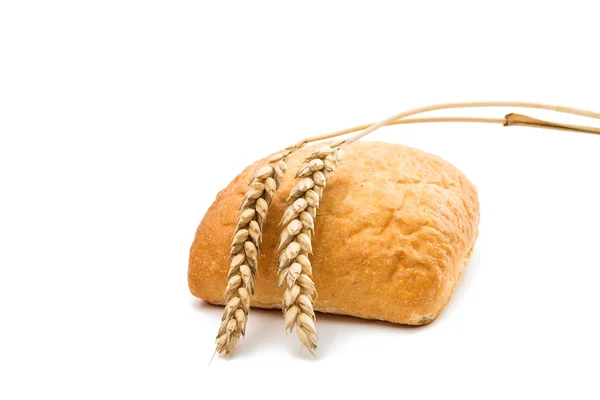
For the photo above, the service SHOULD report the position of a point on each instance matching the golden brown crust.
(394, 231)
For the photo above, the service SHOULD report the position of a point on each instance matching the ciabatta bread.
(394, 231)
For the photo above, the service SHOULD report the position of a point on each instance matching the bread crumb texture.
(394, 231)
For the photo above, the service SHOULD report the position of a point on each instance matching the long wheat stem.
(445, 106)
(400, 118)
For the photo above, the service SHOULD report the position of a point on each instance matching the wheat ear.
(244, 253)
(295, 271)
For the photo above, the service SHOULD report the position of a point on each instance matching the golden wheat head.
(244, 253)
(295, 243)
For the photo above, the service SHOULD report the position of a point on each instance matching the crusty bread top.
(393, 233)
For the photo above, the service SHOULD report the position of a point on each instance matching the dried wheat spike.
(295, 271)
(244, 253)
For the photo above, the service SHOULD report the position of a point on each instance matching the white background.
(121, 120)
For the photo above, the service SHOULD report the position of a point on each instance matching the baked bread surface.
(394, 231)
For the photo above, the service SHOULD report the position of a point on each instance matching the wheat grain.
(295, 243)
(244, 252)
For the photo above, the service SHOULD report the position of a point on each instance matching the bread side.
(394, 231)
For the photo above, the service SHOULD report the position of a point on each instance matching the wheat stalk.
(295, 243)
(244, 253)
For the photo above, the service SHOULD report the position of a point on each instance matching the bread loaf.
(394, 231)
